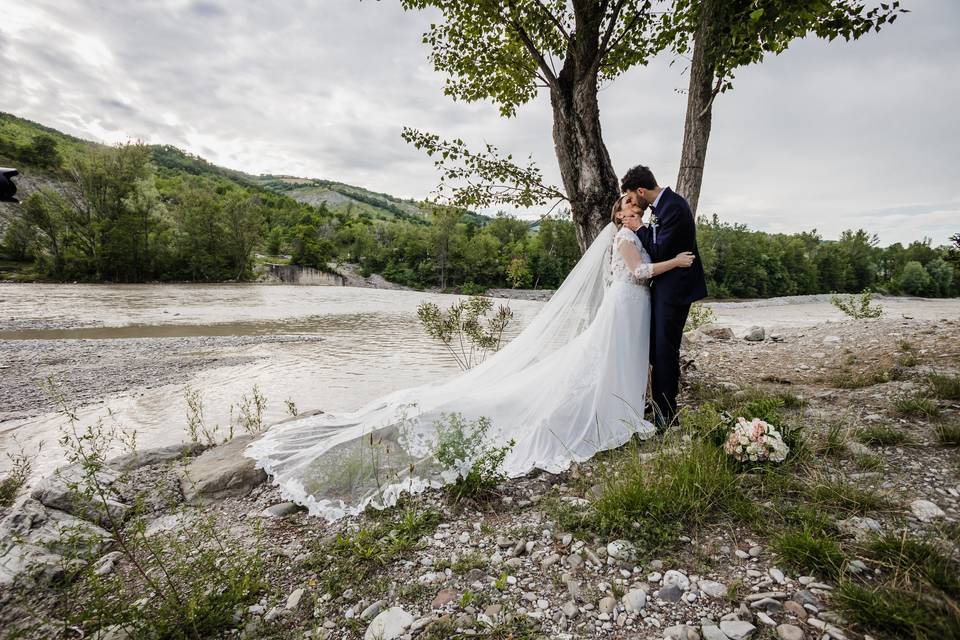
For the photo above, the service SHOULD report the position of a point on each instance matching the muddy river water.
(135, 351)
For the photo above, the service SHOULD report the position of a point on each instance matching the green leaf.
(756, 15)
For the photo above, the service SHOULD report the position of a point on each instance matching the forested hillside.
(139, 213)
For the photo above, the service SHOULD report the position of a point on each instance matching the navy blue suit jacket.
(676, 232)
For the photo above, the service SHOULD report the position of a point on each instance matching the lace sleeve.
(643, 271)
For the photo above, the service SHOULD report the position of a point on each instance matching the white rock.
(622, 550)
(390, 624)
(673, 577)
(713, 589)
(737, 629)
(634, 600)
(925, 511)
(293, 600)
(777, 575)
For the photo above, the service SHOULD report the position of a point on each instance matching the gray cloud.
(825, 136)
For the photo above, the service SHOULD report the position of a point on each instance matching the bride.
(571, 384)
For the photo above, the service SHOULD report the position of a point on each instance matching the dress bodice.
(619, 269)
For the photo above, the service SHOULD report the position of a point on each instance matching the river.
(340, 347)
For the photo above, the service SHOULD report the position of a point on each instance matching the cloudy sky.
(826, 136)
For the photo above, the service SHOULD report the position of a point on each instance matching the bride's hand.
(685, 259)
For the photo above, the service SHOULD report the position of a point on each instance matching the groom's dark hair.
(638, 177)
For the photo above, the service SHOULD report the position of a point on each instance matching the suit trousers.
(666, 332)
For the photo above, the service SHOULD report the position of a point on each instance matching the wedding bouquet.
(755, 441)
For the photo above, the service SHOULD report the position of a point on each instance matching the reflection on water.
(371, 344)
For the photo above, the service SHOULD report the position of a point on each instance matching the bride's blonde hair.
(617, 206)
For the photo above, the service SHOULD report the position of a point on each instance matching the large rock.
(34, 541)
(390, 624)
(65, 490)
(221, 472)
(755, 334)
(157, 455)
(717, 333)
(737, 629)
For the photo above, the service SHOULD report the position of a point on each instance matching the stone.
(570, 610)
(272, 615)
(607, 604)
(680, 632)
(293, 600)
(737, 629)
(857, 449)
(765, 619)
(574, 560)
(755, 334)
(789, 632)
(373, 610)
(634, 600)
(713, 589)
(492, 611)
(755, 551)
(655, 576)
(676, 578)
(767, 604)
(55, 492)
(35, 539)
(622, 550)
(794, 608)
(157, 455)
(718, 333)
(859, 527)
(443, 597)
(926, 511)
(475, 575)
(550, 560)
(281, 510)
(712, 632)
(670, 593)
(389, 624)
(106, 563)
(221, 472)
(777, 575)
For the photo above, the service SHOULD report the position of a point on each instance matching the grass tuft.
(845, 497)
(810, 550)
(916, 404)
(948, 434)
(898, 613)
(945, 387)
(881, 435)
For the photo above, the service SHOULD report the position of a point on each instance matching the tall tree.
(505, 51)
(726, 35)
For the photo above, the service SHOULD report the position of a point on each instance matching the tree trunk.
(696, 128)
(585, 168)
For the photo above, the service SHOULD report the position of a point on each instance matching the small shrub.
(916, 404)
(21, 464)
(699, 315)
(250, 412)
(881, 435)
(908, 360)
(463, 446)
(465, 330)
(945, 387)
(858, 307)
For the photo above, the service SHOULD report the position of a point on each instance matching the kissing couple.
(571, 384)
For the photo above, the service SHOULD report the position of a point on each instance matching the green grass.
(809, 552)
(948, 434)
(834, 439)
(868, 462)
(916, 404)
(468, 561)
(945, 387)
(653, 501)
(845, 497)
(893, 612)
(881, 435)
(352, 558)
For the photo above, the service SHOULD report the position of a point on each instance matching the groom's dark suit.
(671, 294)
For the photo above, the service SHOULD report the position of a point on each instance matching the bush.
(857, 307)
(466, 325)
(463, 447)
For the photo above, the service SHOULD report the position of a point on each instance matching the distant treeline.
(136, 213)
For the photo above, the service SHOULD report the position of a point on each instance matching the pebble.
(737, 629)
(755, 551)
(293, 600)
(607, 604)
(777, 575)
(926, 511)
(570, 610)
(654, 577)
(635, 600)
(713, 589)
(670, 593)
(673, 577)
(789, 632)
(389, 624)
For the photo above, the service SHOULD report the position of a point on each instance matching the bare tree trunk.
(585, 168)
(696, 128)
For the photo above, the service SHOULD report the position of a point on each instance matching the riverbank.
(533, 560)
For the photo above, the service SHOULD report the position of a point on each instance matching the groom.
(672, 230)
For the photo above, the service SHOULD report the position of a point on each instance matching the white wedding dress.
(571, 384)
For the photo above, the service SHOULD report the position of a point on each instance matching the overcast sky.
(826, 136)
